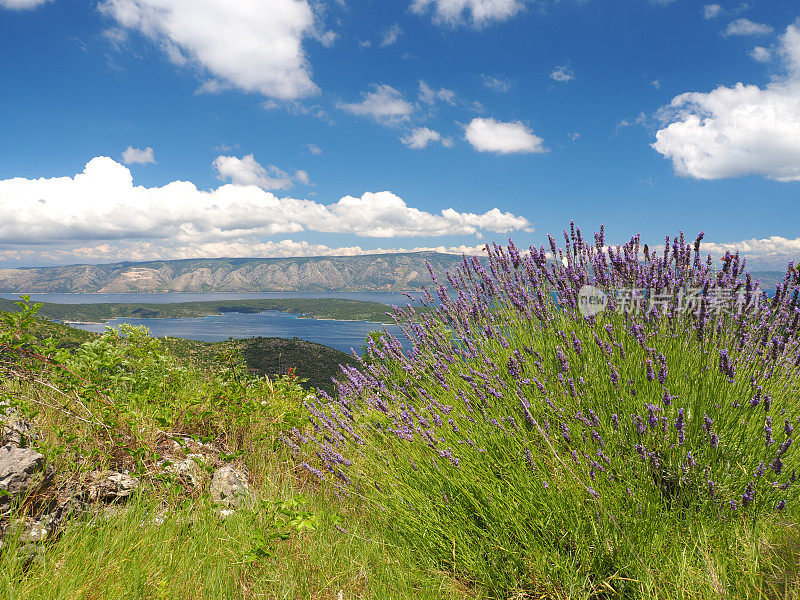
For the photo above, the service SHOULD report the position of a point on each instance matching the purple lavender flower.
(615, 421)
(565, 433)
(614, 375)
(707, 423)
(690, 462)
(768, 432)
(316, 472)
(650, 373)
(667, 398)
(641, 450)
(562, 359)
(748, 496)
(781, 505)
(726, 366)
(652, 418)
(680, 425)
(576, 344)
(529, 459)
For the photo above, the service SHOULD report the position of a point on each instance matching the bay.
(346, 336)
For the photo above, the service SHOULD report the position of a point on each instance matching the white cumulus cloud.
(562, 74)
(761, 54)
(391, 35)
(488, 135)
(138, 156)
(497, 83)
(383, 103)
(21, 4)
(711, 11)
(739, 130)
(252, 45)
(477, 12)
(103, 204)
(747, 27)
(773, 252)
(428, 95)
(420, 137)
(248, 171)
(145, 250)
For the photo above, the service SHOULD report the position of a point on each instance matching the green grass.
(107, 403)
(550, 522)
(487, 528)
(196, 553)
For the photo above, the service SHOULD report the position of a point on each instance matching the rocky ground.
(44, 498)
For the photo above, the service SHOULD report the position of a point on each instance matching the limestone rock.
(110, 486)
(22, 471)
(14, 430)
(189, 469)
(229, 486)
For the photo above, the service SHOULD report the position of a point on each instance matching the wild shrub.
(527, 445)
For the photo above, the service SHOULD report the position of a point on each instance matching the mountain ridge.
(370, 272)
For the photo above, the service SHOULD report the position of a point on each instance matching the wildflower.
(726, 366)
(562, 359)
(529, 459)
(316, 472)
(565, 433)
(614, 375)
(680, 426)
(748, 496)
(650, 373)
(576, 344)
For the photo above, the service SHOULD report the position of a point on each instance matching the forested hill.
(387, 272)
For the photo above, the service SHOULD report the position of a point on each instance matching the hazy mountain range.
(375, 272)
(384, 272)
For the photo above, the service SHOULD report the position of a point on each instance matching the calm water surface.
(342, 335)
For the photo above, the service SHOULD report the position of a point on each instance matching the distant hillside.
(313, 362)
(389, 272)
(317, 308)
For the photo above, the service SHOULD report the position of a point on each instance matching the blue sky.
(300, 127)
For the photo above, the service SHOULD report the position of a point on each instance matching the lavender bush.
(524, 445)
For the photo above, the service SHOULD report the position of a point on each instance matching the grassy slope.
(190, 550)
